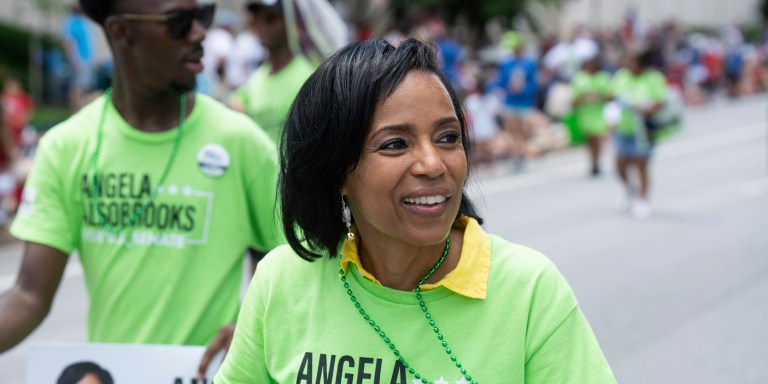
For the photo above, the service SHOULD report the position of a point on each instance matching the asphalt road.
(678, 298)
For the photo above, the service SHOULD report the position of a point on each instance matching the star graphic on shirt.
(442, 380)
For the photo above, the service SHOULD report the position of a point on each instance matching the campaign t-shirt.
(173, 277)
(505, 311)
(589, 115)
(637, 91)
(268, 97)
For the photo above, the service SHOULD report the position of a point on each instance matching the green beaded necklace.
(428, 316)
(99, 135)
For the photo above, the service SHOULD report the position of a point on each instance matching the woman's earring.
(346, 216)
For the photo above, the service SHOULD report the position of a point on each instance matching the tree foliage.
(50, 6)
(764, 10)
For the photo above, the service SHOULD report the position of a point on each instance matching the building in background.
(611, 13)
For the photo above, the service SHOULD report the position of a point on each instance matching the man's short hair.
(98, 10)
(275, 6)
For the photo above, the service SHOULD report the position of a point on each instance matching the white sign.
(122, 363)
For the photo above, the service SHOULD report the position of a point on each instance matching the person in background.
(450, 52)
(375, 151)
(18, 107)
(153, 186)
(247, 54)
(217, 48)
(77, 36)
(640, 92)
(518, 82)
(267, 95)
(484, 113)
(591, 90)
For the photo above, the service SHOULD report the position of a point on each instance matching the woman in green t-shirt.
(640, 91)
(374, 162)
(592, 89)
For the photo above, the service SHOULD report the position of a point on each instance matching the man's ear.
(119, 32)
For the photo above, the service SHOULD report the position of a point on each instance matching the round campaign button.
(213, 160)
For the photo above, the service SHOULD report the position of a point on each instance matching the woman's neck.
(401, 266)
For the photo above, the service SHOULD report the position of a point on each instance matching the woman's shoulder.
(509, 257)
(526, 271)
(283, 262)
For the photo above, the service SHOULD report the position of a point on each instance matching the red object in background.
(364, 33)
(714, 64)
(676, 74)
(17, 108)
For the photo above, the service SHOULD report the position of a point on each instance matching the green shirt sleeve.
(616, 84)
(262, 195)
(570, 354)
(579, 84)
(45, 215)
(560, 345)
(657, 85)
(245, 362)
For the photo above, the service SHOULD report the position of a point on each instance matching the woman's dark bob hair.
(325, 130)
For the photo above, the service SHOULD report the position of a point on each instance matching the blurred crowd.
(530, 76)
(516, 85)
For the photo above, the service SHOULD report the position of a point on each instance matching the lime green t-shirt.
(589, 115)
(267, 98)
(175, 276)
(298, 325)
(638, 91)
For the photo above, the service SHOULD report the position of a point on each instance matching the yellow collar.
(469, 278)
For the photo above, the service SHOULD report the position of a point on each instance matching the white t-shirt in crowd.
(246, 55)
(217, 46)
(483, 111)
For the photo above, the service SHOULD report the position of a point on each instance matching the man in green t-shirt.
(159, 191)
(269, 91)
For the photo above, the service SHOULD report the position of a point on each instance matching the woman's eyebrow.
(404, 127)
(445, 121)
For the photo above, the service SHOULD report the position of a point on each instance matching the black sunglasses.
(179, 22)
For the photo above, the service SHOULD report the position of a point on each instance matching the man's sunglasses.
(180, 21)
